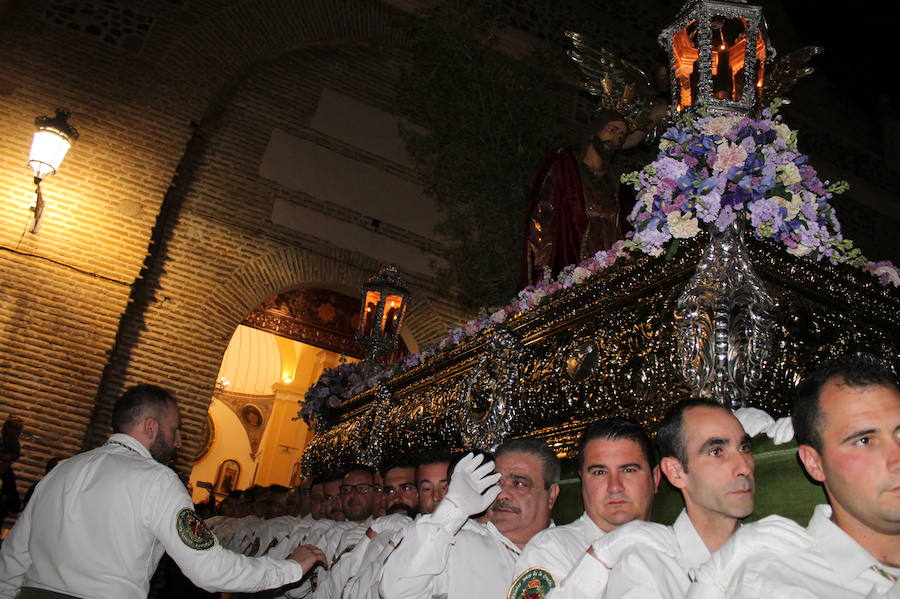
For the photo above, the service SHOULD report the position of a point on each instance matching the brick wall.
(173, 123)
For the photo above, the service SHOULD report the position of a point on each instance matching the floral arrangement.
(336, 385)
(714, 169)
(710, 171)
(346, 380)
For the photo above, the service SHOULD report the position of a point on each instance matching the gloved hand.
(473, 485)
(389, 523)
(754, 420)
(609, 548)
(891, 593)
(773, 534)
(781, 431)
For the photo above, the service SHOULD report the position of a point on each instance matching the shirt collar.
(846, 557)
(594, 531)
(131, 443)
(693, 549)
(492, 530)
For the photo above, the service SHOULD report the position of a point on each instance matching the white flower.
(498, 316)
(682, 227)
(580, 274)
(720, 125)
(782, 131)
(789, 174)
(800, 250)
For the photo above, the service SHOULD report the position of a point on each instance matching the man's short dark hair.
(669, 435)
(604, 116)
(359, 468)
(398, 463)
(539, 448)
(329, 477)
(136, 403)
(854, 370)
(435, 455)
(617, 429)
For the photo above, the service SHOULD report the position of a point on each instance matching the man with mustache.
(448, 554)
(99, 523)
(847, 421)
(619, 478)
(706, 454)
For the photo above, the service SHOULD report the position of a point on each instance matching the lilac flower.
(725, 218)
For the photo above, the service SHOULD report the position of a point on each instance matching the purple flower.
(725, 218)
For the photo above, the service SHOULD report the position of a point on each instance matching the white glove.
(891, 593)
(609, 548)
(753, 420)
(781, 431)
(389, 523)
(473, 485)
(773, 535)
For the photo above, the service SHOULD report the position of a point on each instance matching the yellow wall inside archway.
(248, 368)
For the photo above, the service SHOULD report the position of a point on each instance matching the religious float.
(735, 283)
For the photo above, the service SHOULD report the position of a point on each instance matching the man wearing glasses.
(401, 495)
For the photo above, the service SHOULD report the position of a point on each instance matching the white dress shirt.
(443, 556)
(641, 571)
(556, 550)
(644, 573)
(835, 567)
(99, 523)
(364, 583)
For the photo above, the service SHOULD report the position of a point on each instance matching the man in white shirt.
(400, 492)
(619, 478)
(99, 523)
(432, 479)
(706, 454)
(847, 421)
(447, 554)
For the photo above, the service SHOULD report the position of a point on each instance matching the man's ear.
(150, 426)
(554, 494)
(657, 473)
(812, 461)
(674, 471)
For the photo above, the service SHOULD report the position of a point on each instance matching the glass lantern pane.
(392, 313)
(48, 148)
(729, 47)
(760, 63)
(685, 54)
(368, 323)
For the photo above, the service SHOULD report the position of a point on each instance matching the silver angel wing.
(787, 70)
(617, 83)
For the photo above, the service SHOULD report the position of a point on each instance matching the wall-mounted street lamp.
(384, 304)
(53, 136)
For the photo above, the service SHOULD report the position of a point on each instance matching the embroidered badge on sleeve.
(532, 584)
(193, 531)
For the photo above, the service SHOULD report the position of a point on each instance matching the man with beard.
(401, 495)
(574, 206)
(100, 521)
(331, 486)
(401, 502)
(431, 482)
(447, 554)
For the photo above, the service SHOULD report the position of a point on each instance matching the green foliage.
(489, 120)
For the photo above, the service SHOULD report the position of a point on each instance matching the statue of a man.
(574, 206)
